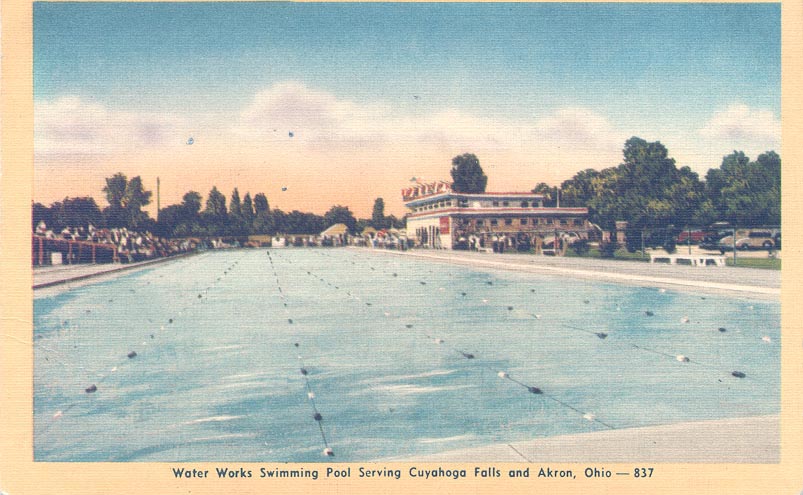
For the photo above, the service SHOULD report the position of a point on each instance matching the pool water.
(401, 357)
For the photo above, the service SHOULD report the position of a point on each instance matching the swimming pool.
(251, 355)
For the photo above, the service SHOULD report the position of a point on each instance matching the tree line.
(194, 217)
(649, 192)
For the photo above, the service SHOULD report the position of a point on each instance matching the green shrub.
(580, 247)
(608, 249)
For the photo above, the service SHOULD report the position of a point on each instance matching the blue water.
(222, 381)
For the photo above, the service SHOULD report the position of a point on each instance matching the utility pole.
(734, 245)
(642, 244)
(158, 198)
(688, 240)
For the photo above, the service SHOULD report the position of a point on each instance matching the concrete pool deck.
(751, 440)
(751, 282)
(51, 276)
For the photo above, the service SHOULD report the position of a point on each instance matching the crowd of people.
(79, 244)
(108, 245)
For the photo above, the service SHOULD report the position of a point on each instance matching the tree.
(126, 199)
(183, 219)
(215, 204)
(643, 182)
(646, 190)
(236, 222)
(687, 196)
(115, 190)
(261, 204)
(578, 190)
(235, 206)
(550, 193)
(170, 218)
(744, 192)
(394, 222)
(340, 214)
(277, 222)
(214, 215)
(191, 202)
(264, 221)
(467, 175)
(298, 222)
(190, 220)
(378, 215)
(75, 212)
(135, 195)
(41, 213)
(248, 210)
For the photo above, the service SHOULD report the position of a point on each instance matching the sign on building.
(444, 225)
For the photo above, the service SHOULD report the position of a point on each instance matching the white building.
(441, 218)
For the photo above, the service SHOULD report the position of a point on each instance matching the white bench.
(688, 259)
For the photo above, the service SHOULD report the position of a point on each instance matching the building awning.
(336, 229)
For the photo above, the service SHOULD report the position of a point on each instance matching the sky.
(317, 104)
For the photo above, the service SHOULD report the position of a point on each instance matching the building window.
(564, 222)
(496, 203)
(549, 221)
(524, 204)
(480, 223)
(578, 222)
(505, 203)
(494, 222)
(523, 221)
(508, 221)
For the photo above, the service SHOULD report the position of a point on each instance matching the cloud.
(579, 127)
(738, 127)
(313, 117)
(744, 127)
(70, 125)
(341, 151)
(319, 120)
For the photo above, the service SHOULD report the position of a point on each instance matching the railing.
(71, 251)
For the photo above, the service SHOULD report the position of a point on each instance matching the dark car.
(711, 241)
(461, 244)
(692, 237)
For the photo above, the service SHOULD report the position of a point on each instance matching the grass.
(623, 255)
(764, 263)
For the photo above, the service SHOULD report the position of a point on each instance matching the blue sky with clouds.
(685, 74)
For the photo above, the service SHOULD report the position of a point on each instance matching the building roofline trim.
(500, 212)
(488, 195)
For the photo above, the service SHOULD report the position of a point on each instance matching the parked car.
(749, 239)
(460, 244)
(711, 240)
(693, 237)
(568, 238)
